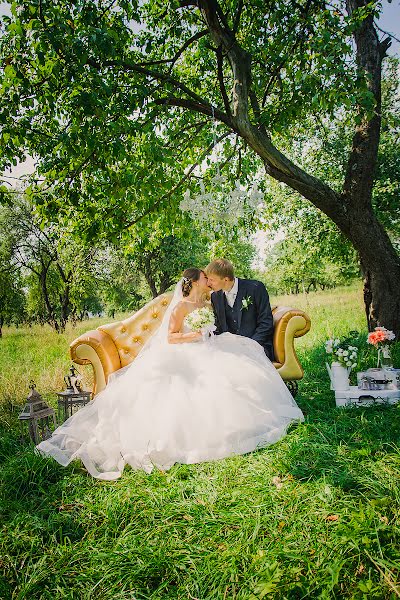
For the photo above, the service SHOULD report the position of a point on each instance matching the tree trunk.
(65, 308)
(64, 296)
(352, 209)
(152, 284)
(379, 260)
(381, 269)
(1, 325)
(165, 283)
(51, 319)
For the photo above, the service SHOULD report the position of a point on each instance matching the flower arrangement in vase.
(344, 358)
(381, 338)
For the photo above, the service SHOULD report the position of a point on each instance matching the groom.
(241, 306)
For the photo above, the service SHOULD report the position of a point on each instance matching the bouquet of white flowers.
(201, 319)
(342, 352)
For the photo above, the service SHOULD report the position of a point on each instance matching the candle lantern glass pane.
(69, 403)
(37, 418)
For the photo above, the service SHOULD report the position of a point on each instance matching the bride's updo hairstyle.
(189, 275)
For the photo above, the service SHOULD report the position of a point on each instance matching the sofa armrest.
(289, 323)
(98, 349)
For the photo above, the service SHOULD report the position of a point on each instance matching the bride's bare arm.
(175, 335)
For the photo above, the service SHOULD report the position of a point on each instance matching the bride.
(184, 399)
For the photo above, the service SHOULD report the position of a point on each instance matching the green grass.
(314, 516)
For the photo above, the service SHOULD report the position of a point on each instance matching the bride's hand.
(193, 336)
(175, 335)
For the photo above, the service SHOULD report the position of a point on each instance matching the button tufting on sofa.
(102, 347)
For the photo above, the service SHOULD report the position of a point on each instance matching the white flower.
(246, 302)
(389, 335)
(200, 319)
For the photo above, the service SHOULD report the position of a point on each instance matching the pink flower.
(380, 335)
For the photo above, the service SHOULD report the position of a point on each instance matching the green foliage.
(84, 89)
(299, 264)
(64, 278)
(12, 298)
(56, 269)
(314, 252)
(121, 286)
(387, 185)
(239, 251)
(161, 259)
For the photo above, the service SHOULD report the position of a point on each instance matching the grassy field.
(317, 515)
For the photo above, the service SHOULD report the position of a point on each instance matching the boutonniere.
(246, 302)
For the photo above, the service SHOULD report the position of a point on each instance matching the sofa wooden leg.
(293, 387)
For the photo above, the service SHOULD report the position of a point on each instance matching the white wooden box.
(356, 397)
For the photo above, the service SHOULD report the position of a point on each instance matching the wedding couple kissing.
(190, 396)
(241, 306)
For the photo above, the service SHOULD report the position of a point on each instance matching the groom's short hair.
(221, 267)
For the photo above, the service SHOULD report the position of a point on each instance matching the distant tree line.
(50, 275)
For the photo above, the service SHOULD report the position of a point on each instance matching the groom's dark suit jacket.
(254, 322)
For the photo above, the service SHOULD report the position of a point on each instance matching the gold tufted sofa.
(110, 347)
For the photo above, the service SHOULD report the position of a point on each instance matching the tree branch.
(221, 81)
(159, 76)
(190, 140)
(255, 105)
(386, 32)
(236, 20)
(173, 60)
(189, 42)
(205, 109)
(107, 8)
(238, 58)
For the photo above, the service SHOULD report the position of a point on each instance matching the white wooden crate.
(356, 397)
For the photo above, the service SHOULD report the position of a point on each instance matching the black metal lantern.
(37, 417)
(69, 403)
(73, 398)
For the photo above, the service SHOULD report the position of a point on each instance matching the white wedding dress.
(179, 403)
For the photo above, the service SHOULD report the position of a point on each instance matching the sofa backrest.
(131, 334)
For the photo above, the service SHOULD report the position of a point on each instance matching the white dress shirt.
(231, 295)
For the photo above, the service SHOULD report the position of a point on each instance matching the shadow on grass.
(334, 443)
(31, 490)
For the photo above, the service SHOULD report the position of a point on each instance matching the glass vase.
(385, 360)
